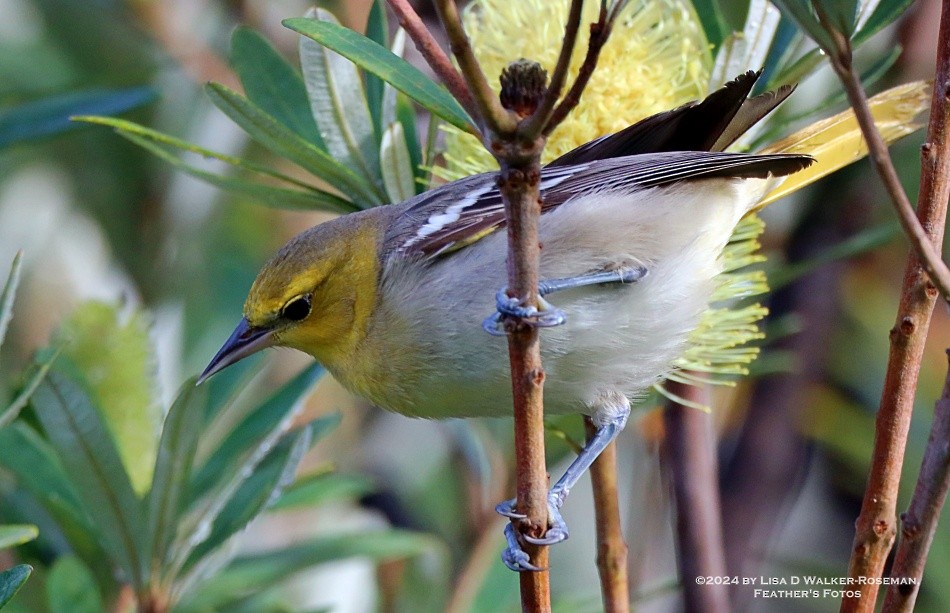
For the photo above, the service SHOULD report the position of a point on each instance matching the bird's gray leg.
(610, 417)
(548, 315)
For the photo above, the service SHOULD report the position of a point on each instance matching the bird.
(392, 301)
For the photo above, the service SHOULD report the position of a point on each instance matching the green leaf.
(801, 12)
(841, 14)
(39, 471)
(377, 30)
(251, 574)
(714, 22)
(273, 84)
(335, 90)
(885, 14)
(52, 115)
(271, 134)
(92, 462)
(71, 588)
(278, 197)
(9, 295)
(115, 356)
(10, 413)
(262, 424)
(396, 164)
(259, 490)
(12, 535)
(176, 452)
(383, 63)
(12, 580)
(314, 490)
(407, 117)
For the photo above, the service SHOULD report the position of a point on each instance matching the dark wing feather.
(459, 213)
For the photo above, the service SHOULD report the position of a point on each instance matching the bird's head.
(315, 295)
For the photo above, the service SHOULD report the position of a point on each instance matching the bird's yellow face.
(315, 295)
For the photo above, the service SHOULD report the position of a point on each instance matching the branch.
(489, 110)
(691, 460)
(876, 527)
(533, 126)
(599, 34)
(433, 54)
(920, 520)
(611, 548)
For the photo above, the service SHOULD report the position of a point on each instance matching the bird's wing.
(710, 125)
(458, 214)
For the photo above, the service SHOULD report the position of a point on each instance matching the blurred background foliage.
(166, 261)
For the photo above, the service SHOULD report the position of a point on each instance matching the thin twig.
(919, 523)
(490, 112)
(880, 157)
(875, 528)
(532, 127)
(599, 33)
(611, 548)
(690, 455)
(433, 54)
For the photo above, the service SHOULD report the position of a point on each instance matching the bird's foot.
(514, 556)
(547, 316)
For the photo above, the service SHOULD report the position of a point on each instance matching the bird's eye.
(297, 309)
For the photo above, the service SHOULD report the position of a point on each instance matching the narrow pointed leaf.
(273, 84)
(714, 22)
(176, 452)
(801, 12)
(312, 491)
(837, 141)
(377, 30)
(885, 14)
(396, 164)
(12, 580)
(71, 588)
(271, 134)
(390, 68)
(10, 413)
(275, 472)
(337, 99)
(12, 535)
(92, 461)
(9, 295)
(52, 115)
(406, 115)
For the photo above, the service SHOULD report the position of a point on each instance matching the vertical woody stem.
(611, 548)
(875, 527)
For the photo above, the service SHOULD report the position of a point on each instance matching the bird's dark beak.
(244, 341)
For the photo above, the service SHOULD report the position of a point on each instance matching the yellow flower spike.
(837, 141)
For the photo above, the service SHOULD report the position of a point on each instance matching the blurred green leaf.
(250, 574)
(714, 22)
(336, 95)
(92, 462)
(396, 164)
(8, 295)
(71, 588)
(114, 353)
(12, 535)
(841, 14)
(12, 580)
(52, 115)
(39, 471)
(377, 30)
(279, 197)
(406, 115)
(273, 84)
(801, 11)
(263, 486)
(390, 68)
(11, 412)
(176, 452)
(271, 134)
(316, 489)
(863, 242)
(885, 14)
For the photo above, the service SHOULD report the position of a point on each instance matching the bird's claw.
(547, 316)
(514, 556)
